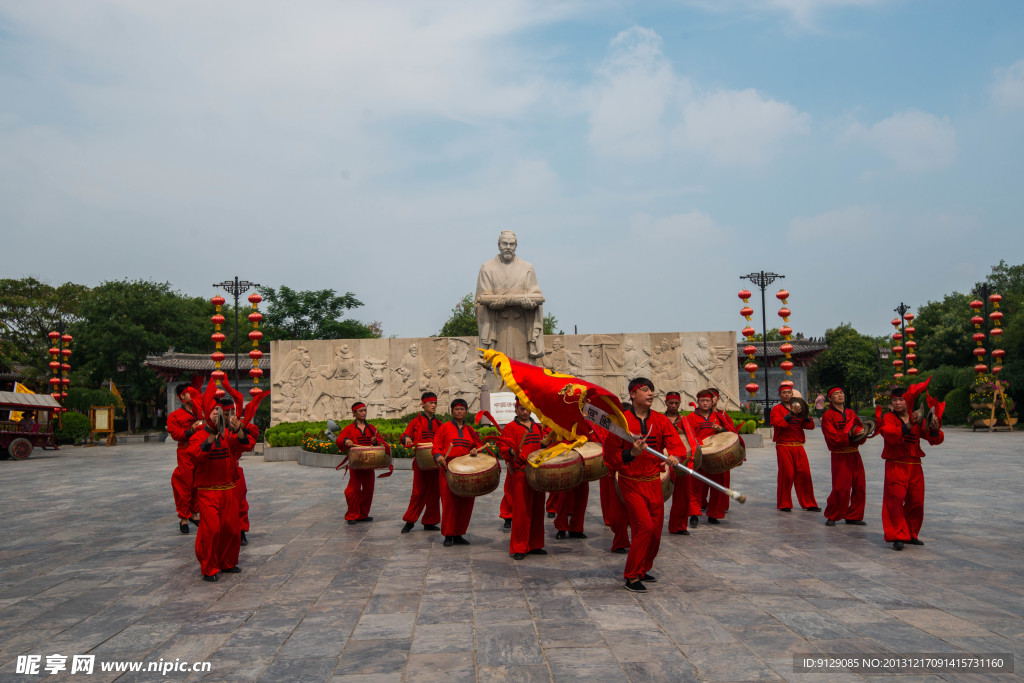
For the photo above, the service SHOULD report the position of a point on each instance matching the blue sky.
(646, 153)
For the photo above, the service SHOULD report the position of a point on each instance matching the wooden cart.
(19, 439)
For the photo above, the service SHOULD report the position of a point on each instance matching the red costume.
(718, 502)
(846, 501)
(179, 426)
(456, 511)
(903, 497)
(426, 493)
(218, 538)
(527, 505)
(683, 492)
(794, 470)
(640, 485)
(240, 488)
(359, 492)
(571, 507)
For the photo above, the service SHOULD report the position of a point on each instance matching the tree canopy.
(312, 314)
(851, 361)
(29, 310)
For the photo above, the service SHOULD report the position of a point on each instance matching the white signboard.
(503, 407)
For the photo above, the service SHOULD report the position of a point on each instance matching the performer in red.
(903, 497)
(522, 437)
(705, 422)
(572, 506)
(838, 424)
(685, 486)
(181, 425)
(426, 494)
(455, 439)
(215, 450)
(794, 470)
(359, 492)
(639, 479)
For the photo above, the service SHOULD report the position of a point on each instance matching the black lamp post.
(762, 280)
(236, 288)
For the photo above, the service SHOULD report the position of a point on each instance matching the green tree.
(462, 322)
(312, 314)
(122, 322)
(29, 310)
(773, 335)
(943, 332)
(850, 361)
(551, 324)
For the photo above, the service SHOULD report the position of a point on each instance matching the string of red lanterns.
(255, 336)
(786, 331)
(910, 344)
(218, 338)
(750, 350)
(995, 334)
(897, 350)
(60, 354)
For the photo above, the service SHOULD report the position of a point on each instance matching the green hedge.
(958, 406)
(74, 428)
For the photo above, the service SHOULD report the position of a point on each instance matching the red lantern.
(54, 351)
(976, 305)
(977, 320)
(255, 354)
(217, 319)
(218, 374)
(897, 349)
(996, 332)
(908, 316)
(219, 393)
(54, 365)
(909, 330)
(784, 312)
(63, 395)
(217, 356)
(752, 388)
(898, 362)
(996, 315)
(217, 300)
(995, 299)
(751, 367)
(55, 380)
(782, 295)
(66, 367)
(748, 331)
(67, 338)
(786, 348)
(255, 372)
(744, 294)
(254, 391)
(746, 312)
(786, 365)
(218, 337)
(980, 368)
(978, 337)
(895, 322)
(750, 350)
(255, 317)
(979, 352)
(897, 375)
(55, 396)
(912, 371)
(911, 344)
(255, 335)
(255, 298)
(911, 357)
(65, 381)
(897, 336)
(65, 352)
(998, 354)
(785, 330)
(54, 336)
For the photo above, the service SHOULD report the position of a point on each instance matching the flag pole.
(735, 495)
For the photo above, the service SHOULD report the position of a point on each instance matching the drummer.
(706, 422)
(426, 496)
(455, 439)
(684, 486)
(523, 437)
(839, 425)
(640, 481)
(571, 506)
(794, 470)
(359, 492)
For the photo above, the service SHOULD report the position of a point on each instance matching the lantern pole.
(236, 288)
(983, 290)
(762, 280)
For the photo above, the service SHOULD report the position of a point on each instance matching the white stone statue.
(509, 311)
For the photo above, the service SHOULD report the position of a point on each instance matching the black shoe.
(857, 522)
(183, 526)
(682, 532)
(448, 541)
(560, 535)
(830, 522)
(915, 541)
(785, 509)
(621, 551)
(538, 551)
(577, 534)
(234, 570)
(194, 520)
(431, 527)
(551, 515)
(508, 524)
(244, 540)
(353, 521)
(408, 527)
(694, 520)
(712, 520)
(519, 556)
(703, 508)
(636, 587)
(649, 578)
(210, 577)
(897, 545)
(813, 509)
(365, 519)
(459, 540)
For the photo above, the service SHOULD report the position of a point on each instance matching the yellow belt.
(654, 478)
(847, 450)
(788, 443)
(906, 462)
(218, 487)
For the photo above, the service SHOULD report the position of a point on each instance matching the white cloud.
(693, 225)
(914, 141)
(802, 12)
(1008, 90)
(738, 127)
(635, 86)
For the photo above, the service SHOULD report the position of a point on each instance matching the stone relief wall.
(316, 380)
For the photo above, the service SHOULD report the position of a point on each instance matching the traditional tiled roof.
(171, 364)
(30, 401)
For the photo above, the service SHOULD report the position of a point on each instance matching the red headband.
(357, 406)
(832, 391)
(785, 385)
(673, 394)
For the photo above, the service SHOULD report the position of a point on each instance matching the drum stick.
(735, 495)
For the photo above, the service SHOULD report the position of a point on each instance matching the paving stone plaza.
(93, 564)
